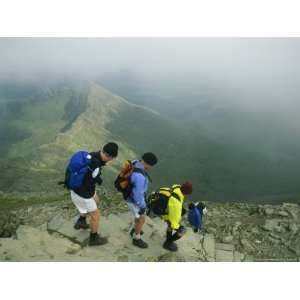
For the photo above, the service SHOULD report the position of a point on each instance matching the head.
(202, 206)
(109, 152)
(149, 160)
(199, 205)
(187, 188)
(192, 205)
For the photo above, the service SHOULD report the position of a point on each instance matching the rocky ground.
(231, 232)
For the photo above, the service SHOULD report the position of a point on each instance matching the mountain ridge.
(88, 116)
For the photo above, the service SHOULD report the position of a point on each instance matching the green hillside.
(63, 122)
(238, 152)
(41, 131)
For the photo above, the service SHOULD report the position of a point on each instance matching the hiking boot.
(132, 232)
(81, 224)
(171, 246)
(139, 243)
(97, 240)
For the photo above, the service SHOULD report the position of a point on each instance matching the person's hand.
(181, 230)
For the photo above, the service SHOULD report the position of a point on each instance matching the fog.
(232, 103)
(258, 71)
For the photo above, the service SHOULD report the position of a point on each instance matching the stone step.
(35, 245)
(209, 246)
(59, 241)
(225, 247)
(66, 229)
(224, 255)
(224, 252)
(238, 257)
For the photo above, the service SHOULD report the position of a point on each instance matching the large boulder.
(224, 252)
(293, 228)
(293, 209)
(32, 244)
(171, 257)
(228, 239)
(9, 222)
(271, 224)
(247, 246)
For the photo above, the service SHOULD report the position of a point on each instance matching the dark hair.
(191, 205)
(187, 188)
(149, 158)
(111, 149)
(201, 205)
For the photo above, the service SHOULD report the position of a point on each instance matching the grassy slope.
(42, 119)
(39, 161)
(217, 172)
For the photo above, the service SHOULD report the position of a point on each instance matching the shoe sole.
(140, 246)
(172, 250)
(92, 245)
(78, 228)
(99, 244)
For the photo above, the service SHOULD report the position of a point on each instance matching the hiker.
(195, 215)
(168, 203)
(133, 183)
(82, 185)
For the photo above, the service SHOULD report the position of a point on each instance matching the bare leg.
(95, 238)
(97, 199)
(94, 220)
(137, 241)
(139, 224)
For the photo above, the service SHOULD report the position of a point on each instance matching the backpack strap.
(176, 186)
(175, 196)
(165, 190)
(171, 191)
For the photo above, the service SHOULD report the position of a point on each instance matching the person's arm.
(96, 175)
(138, 190)
(96, 171)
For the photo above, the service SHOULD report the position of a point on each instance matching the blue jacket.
(140, 186)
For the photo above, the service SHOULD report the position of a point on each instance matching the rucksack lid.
(123, 183)
(78, 167)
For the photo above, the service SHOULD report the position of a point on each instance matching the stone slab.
(209, 245)
(226, 247)
(224, 256)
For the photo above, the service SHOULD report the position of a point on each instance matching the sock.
(136, 236)
(169, 236)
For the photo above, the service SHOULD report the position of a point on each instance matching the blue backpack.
(78, 167)
(195, 216)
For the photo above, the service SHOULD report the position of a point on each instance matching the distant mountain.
(259, 144)
(42, 129)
